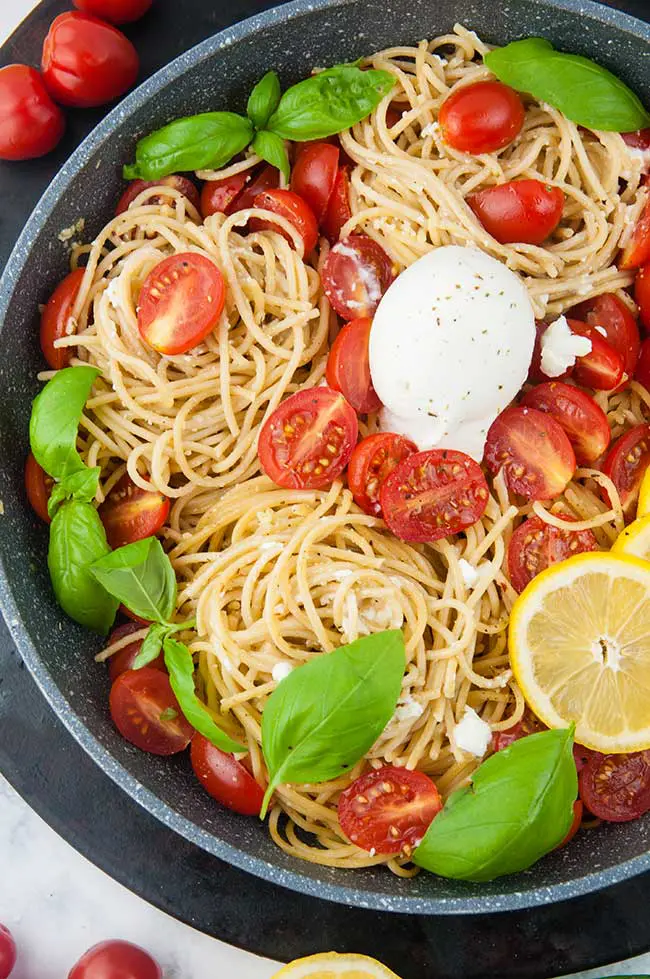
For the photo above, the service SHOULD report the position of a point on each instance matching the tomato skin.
(482, 117)
(582, 419)
(348, 366)
(7, 952)
(621, 330)
(520, 210)
(54, 320)
(132, 616)
(626, 463)
(182, 184)
(529, 724)
(122, 661)
(356, 274)
(534, 451)
(389, 810)
(217, 196)
(116, 960)
(87, 62)
(603, 368)
(578, 810)
(30, 122)
(338, 209)
(639, 139)
(137, 700)
(114, 11)
(314, 175)
(307, 427)
(637, 250)
(616, 788)
(372, 460)
(643, 367)
(642, 294)
(38, 486)
(289, 205)
(268, 178)
(225, 778)
(536, 545)
(130, 513)
(581, 756)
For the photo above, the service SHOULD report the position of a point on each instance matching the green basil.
(140, 575)
(264, 99)
(81, 485)
(518, 807)
(329, 102)
(154, 639)
(327, 713)
(205, 141)
(55, 418)
(584, 91)
(77, 539)
(178, 661)
(272, 149)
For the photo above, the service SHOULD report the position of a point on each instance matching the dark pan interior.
(219, 74)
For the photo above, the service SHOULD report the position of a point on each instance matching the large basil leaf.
(55, 420)
(81, 485)
(264, 99)
(272, 149)
(141, 576)
(77, 539)
(518, 807)
(327, 713)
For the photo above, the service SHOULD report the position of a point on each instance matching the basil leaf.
(329, 102)
(264, 99)
(178, 661)
(327, 713)
(141, 576)
(584, 91)
(272, 149)
(205, 141)
(151, 645)
(518, 807)
(77, 539)
(55, 418)
(81, 485)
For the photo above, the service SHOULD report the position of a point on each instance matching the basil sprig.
(518, 807)
(81, 485)
(141, 576)
(327, 713)
(584, 91)
(272, 149)
(264, 99)
(54, 421)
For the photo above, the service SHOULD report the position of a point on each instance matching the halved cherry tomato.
(115, 11)
(621, 330)
(348, 366)
(38, 486)
(146, 712)
(308, 440)
(122, 661)
(616, 788)
(130, 513)
(389, 810)
(643, 367)
(581, 756)
(481, 118)
(356, 274)
(180, 302)
(642, 294)
(578, 810)
(582, 419)
(430, 495)
(30, 123)
(637, 250)
(533, 450)
(626, 462)
(289, 205)
(520, 210)
(529, 724)
(639, 139)
(338, 210)
(225, 778)
(55, 318)
(182, 184)
(217, 196)
(371, 462)
(116, 960)
(268, 178)
(536, 545)
(603, 368)
(314, 175)
(7, 952)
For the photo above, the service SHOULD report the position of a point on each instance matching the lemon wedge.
(643, 506)
(635, 539)
(331, 965)
(579, 645)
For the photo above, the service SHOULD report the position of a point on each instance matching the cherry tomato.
(371, 462)
(643, 367)
(131, 615)
(314, 176)
(616, 788)
(114, 11)
(38, 486)
(639, 139)
(621, 330)
(116, 960)
(521, 210)
(581, 756)
(268, 178)
(603, 368)
(180, 302)
(308, 440)
(123, 660)
(356, 274)
(30, 123)
(130, 513)
(87, 62)
(582, 419)
(536, 545)
(533, 450)
(642, 294)
(529, 724)
(289, 205)
(389, 810)
(637, 250)
(348, 366)
(338, 209)
(182, 184)
(430, 495)
(578, 810)
(146, 712)
(217, 196)
(481, 118)
(7, 952)
(626, 462)
(55, 320)
(225, 778)
(535, 372)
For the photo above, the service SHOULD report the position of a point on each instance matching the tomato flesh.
(520, 210)
(146, 712)
(536, 545)
(582, 419)
(619, 325)
(122, 661)
(55, 320)
(30, 123)
(616, 788)
(116, 960)
(356, 274)
(603, 368)
(287, 204)
(182, 184)
(373, 459)
(338, 210)
(38, 486)
(314, 175)
(225, 778)
(7, 952)
(348, 366)
(529, 724)
(217, 196)
(637, 250)
(115, 11)
(626, 463)
(638, 139)
(130, 513)
(642, 294)
(481, 118)
(534, 452)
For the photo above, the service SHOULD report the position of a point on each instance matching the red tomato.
(55, 317)
(123, 660)
(146, 712)
(626, 462)
(430, 495)
(131, 615)
(314, 175)
(481, 118)
(30, 123)
(217, 196)
(182, 184)
(267, 179)
(7, 952)
(308, 440)
(529, 724)
(87, 62)
(582, 419)
(621, 330)
(521, 210)
(616, 788)
(356, 274)
(535, 546)
(639, 139)
(348, 366)
(225, 778)
(371, 462)
(338, 210)
(38, 486)
(130, 513)
(389, 810)
(581, 756)
(643, 367)
(116, 960)
(286, 204)
(535, 372)
(180, 303)
(578, 810)
(637, 250)
(603, 368)
(534, 452)
(642, 294)
(114, 11)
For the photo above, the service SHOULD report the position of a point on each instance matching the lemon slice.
(635, 539)
(643, 506)
(329, 965)
(580, 649)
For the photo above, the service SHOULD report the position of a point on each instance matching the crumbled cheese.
(407, 709)
(468, 573)
(75, 229)
(640, 156)
(560, 347)
(281, 671)
(472, 734)
(431, 129)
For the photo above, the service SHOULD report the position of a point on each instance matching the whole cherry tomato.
(225, 778)
(30, 123)
(481, 118)
(114, 11)
(55, 320)
(338, 209)
(288, 205)
(521, 210)
(314, 176)
(38, 486)
(116, 960)
(7, 952)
